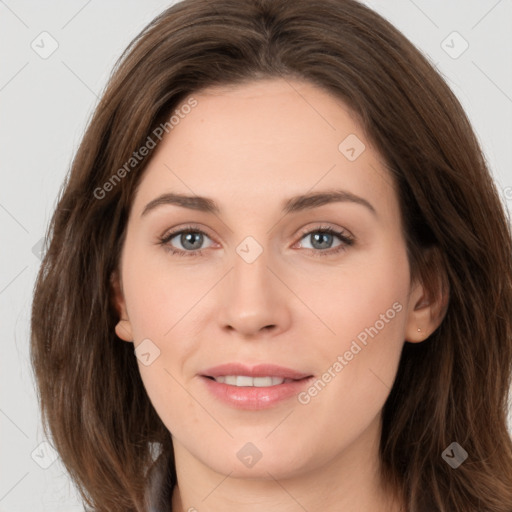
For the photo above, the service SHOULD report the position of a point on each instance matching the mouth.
(242, 381)
(261, 375)
(254, 387)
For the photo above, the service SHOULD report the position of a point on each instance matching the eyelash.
(347, 241)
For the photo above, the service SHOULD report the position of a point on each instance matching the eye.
(191, 239)
(322, 238)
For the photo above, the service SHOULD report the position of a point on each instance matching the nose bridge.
(252, 299)
(250, 279)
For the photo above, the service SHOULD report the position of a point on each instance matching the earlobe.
(426, 312)
(420, 320)
(123, 327)
(124, 330)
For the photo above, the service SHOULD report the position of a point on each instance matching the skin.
(251, 147)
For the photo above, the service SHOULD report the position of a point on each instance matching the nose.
(253, 300)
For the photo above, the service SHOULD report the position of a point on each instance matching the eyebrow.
(292, 205)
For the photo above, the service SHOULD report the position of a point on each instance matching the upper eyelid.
(324, 227)
(169, 234)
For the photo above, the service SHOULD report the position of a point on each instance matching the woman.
(196, 344)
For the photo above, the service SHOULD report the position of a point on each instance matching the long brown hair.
(451, 388)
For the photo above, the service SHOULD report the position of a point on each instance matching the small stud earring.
(419, 329)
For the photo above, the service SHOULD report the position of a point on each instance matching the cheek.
(365, 308)
(353, 296)
(160, 302)
(359, 366)
(169, 395)
(158, 293)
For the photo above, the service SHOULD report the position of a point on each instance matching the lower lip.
(254, 398)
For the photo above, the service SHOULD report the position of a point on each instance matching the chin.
(263, 459)
(261, 470)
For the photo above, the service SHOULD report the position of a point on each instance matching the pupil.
(186, 238)
(319, 236)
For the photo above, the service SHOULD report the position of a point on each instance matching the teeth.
(245, 381)
(242, 380)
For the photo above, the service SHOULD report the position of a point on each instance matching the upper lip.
(259, 370)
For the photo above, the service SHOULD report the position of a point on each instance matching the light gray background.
(45, 104)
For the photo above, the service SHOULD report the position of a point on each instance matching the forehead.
(264, 141)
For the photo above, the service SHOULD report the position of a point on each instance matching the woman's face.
(270, 285)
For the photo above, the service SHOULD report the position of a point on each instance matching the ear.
(428, 304)
(123, 327)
